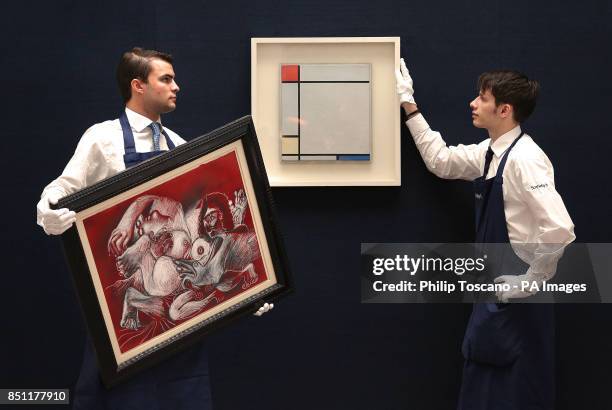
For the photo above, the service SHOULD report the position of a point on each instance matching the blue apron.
(178, 383)
(508, 348)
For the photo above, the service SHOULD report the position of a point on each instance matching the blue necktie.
(488, 156)
(155, 127)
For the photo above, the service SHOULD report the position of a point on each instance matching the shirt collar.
(502, 143)
(137, 121)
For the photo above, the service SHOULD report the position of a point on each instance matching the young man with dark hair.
(508, 348)
(147, 83)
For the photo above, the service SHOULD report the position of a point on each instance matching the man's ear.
(137, 86)
(506, 110)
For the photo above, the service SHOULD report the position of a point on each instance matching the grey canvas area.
(335, 72)
(469, 272)
(335, 118)
(289, 98)
(318, 157)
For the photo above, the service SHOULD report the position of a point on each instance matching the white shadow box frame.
(383, 53)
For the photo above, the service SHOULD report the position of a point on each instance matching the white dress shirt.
(99, 153)
(539, 226)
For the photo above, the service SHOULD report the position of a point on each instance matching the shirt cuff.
(53, 188)
(417, 125)
(542, 274)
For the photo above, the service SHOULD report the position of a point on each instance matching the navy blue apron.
(508, 348)
(179, 383)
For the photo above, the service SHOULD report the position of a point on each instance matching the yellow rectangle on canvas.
(289, 145)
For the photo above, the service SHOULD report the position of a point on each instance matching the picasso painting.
(174, 255)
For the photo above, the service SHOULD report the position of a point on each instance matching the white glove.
(404, 83)
(53, 221)
(265, 308)
(521, 286)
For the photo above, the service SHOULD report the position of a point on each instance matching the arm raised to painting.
(455, 162)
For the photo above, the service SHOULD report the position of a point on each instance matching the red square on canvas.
(289, 72)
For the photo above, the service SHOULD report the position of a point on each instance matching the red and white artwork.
(175, 251)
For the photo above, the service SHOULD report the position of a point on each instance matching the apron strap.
(128, 137)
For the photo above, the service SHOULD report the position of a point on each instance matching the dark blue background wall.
(320, 348)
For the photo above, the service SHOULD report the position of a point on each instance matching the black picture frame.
(114, 367)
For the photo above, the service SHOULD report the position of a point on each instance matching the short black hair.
(135, 64)
(511, 87)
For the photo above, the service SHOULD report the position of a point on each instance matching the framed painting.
(326, 110)
(169, 250)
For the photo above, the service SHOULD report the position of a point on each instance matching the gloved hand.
(404, 84)
(521, 286)
(265, 308)
(53, 221)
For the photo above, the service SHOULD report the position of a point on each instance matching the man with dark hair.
(508, 348)
(147, 84)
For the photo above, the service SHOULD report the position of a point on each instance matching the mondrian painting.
(325, 112)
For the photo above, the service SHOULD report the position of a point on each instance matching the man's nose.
(176, 88)
(473, 104)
